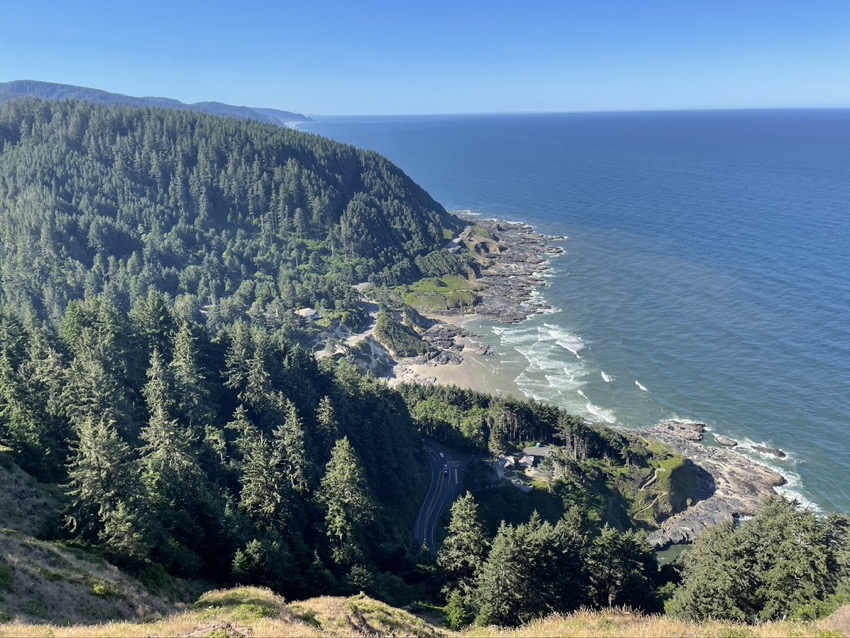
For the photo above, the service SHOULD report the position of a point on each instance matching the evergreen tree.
(192, 390)
(532, 570)
(465, 548)
(349, 507)
(170, 470)
(327, 421)
(102, 487)
(291, 451)
(265, 488)
(621, 567)
(783, 562)
(503, 583)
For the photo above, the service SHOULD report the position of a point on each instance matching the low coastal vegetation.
(399, 339)
(447, 293)
(252, 611)
(166, 429)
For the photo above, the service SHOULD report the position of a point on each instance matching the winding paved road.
(447, 473)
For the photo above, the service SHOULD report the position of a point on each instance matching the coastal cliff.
(713, 484)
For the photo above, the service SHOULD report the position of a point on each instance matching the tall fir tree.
(349, 507)
(191, 387)
(264, 496)
(102, 487)
(465, 548)
(291, 450)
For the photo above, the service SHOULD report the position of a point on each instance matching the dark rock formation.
(513, 269)
(725, 441)
(740, 486)
(769, 451)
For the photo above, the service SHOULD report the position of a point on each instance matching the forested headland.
(231, 219)
(157, 382)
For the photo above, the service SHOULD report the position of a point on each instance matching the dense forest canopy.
(150, 371)
(233, 219)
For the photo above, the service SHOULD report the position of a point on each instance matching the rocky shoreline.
(512, 270)
(729, 487)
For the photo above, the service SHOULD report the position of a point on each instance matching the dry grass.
(361, 616)
(45, 581)
(256, 612)
(624, 624)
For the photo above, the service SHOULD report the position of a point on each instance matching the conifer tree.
(240, 349)
(532, 570)
(465, 548)
(170, 470)
(291, 452)
(621, 566)
(265, 488)
(502, 582)
(193, 395)
(349, 507)
(326, 419)
(258, 380)
(781, 563)
(102, 484)
(153, 322)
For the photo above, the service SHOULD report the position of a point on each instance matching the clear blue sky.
(465, 56)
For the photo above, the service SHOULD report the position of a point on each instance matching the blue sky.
(402, 57)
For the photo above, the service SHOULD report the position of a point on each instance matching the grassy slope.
(48, 581)
(251, 611)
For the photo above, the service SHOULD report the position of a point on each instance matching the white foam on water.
(640, 387)
(607, 378)
(786, 467)
(566, 340)
(601, 413)
(791, 491)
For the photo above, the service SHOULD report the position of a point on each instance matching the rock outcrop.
(725, 441)
(739, 487)
(769, 451)
(512, 268)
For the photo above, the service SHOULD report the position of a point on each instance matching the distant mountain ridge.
(19, 89)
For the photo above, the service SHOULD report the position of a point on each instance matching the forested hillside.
(233, 219)
(237, 460)
(152, 378)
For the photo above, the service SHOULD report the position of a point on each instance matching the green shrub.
(400, 339)
(457, 612)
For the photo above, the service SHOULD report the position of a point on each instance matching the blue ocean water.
(707, 272)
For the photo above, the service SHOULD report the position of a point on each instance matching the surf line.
(640, 387)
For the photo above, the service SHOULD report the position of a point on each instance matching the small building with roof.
(309, 314)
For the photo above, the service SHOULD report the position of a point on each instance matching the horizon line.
(588, 112)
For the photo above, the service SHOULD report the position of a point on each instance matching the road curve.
(442, 491)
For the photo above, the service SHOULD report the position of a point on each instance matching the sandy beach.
(734, 486)
(468, 374)
(512, 270)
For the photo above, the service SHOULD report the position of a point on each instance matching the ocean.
(706, 274)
